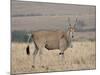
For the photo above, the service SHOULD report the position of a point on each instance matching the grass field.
(34, 16)
(81, 56)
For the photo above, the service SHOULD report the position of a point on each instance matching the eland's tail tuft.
(27, 50)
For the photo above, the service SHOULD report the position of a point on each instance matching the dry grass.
(82, 56)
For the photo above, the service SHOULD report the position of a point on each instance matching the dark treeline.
(24, 15)
(38, 14)
(19, 36)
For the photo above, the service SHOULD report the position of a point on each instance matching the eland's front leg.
(71, 45)
(62, 47)
(62, 58)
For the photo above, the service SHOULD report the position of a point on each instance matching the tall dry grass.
(81, 56)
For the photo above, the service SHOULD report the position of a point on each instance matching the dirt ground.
(81, 57)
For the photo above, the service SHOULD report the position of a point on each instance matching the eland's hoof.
(33, 66)
(47, 68)
(43, 66)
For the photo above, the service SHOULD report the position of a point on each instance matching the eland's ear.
(69, 24)
(69, 21)
(75, 23)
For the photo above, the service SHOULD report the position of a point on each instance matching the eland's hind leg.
(41, 49)
(41, 61)
(40, 57)
(34, 55)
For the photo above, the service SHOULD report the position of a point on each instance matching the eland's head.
(71, 29)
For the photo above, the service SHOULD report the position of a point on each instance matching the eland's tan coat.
(51, 40)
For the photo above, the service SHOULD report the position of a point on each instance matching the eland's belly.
(52, 44)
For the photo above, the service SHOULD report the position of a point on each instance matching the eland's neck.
(69, 38)
(68, 35)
